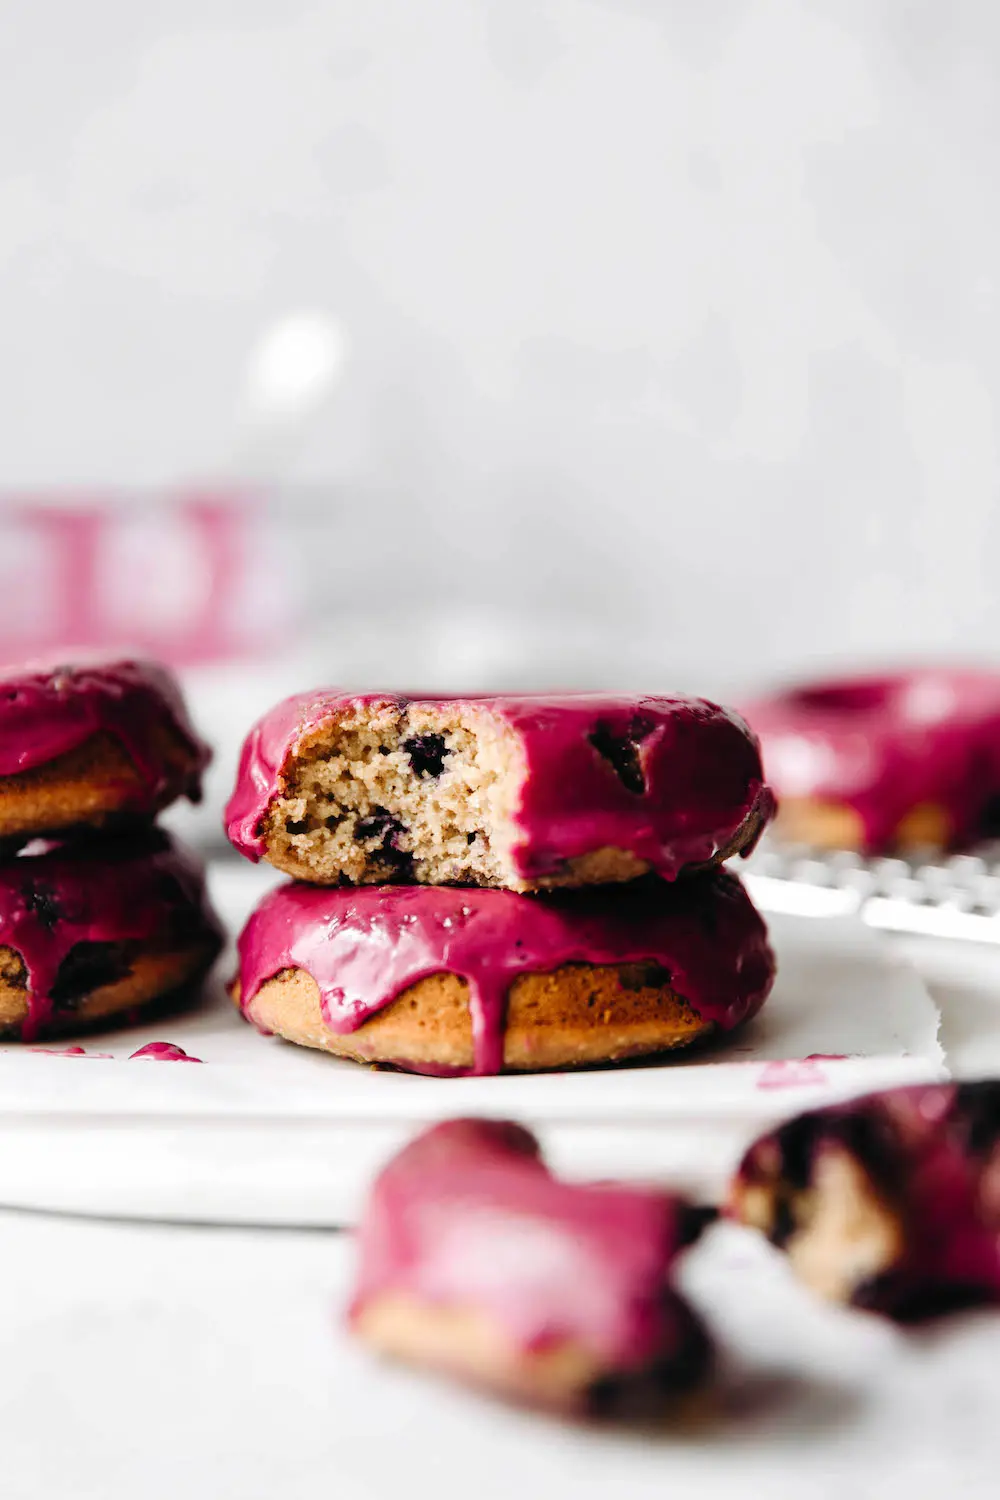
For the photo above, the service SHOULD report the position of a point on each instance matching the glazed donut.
(880, 763)
(95, 930)
(90, 744)
(439, 980)
(474, 1261)
(890, 1202)
(520, 793)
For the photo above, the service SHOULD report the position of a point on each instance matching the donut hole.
(861, 697)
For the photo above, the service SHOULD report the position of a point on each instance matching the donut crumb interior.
(397, 794)
(400, 793)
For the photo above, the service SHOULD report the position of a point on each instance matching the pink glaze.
(72, 1052)
(468, 1216)
(364, 946)
(141, 890)
(931, 1151)
(883, 745)
(47, 710)
(163, 1052)
(700, 765)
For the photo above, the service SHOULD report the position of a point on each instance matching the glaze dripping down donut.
(95, 928)
(695, 954)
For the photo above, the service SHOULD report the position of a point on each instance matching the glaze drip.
(101, 892)
(162, 1052)
(365, 946)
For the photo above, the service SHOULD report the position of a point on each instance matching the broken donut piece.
(890, 1202)
(476, 1262)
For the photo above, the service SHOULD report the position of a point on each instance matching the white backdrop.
(681, 314)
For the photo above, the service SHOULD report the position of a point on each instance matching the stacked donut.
(101, 914)
(503, 883)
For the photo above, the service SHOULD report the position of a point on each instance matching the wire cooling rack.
(951, 897)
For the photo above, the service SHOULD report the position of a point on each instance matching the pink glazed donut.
(522, 793)
(880, 763)
(92, 744)
(441, 980)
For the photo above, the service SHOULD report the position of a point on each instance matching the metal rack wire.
(955, 896)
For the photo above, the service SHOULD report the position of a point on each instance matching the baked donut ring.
(880, 763)
(474, 1261)
(440, 980)
(519, 793)
(92, 744)
(92, 931)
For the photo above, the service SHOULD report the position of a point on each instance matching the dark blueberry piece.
(379, 824)
(639, 1395)
(641, 976)
(470, 838)
(88, 967)
(41, 901)
(695, 1218)
(298, 825)
(398, 864)
(798, 1141)
(621, 751)
(977, 1114)
(427, 752)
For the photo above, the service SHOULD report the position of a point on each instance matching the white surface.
(143, 1362)
(269, 1133)
(152, 1362)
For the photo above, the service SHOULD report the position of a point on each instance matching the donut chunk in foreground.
(890, 1202)
(474, 1261)
(97, 930)
(91, 744)
(521, 793)
(440, 980)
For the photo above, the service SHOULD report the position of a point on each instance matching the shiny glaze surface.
(884, 745)
(48, 710)
(692, 773)
(932, 1154)
(162, 1052)
(469, 1216)
(145, 889)
(364, 946)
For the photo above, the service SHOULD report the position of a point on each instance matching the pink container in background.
(194, 577)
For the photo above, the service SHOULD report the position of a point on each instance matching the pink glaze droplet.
(163, 1052)
(71, 1052)
(791, 1073)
